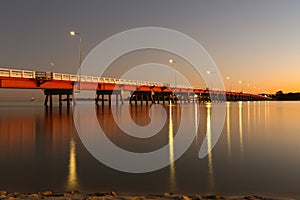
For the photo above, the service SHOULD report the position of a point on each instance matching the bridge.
(53, 83)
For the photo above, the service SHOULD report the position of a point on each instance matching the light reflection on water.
(228, 128)
(40, 147)
(171, 151)
(241, 126)
(248, 116)
(72, 177)
(209, 140)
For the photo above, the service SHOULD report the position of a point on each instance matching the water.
(257, 152)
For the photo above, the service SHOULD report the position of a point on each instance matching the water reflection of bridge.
(37, 143)
(141, 91)
(43, 141)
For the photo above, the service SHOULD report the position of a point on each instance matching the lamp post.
(248, 84)
(241, 83)
(211, 80)
(75, 34)
(52, 66)
(171, 61)
(228, 78)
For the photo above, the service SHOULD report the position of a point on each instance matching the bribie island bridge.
(141, 91)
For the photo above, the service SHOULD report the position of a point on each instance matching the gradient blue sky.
(255, 41)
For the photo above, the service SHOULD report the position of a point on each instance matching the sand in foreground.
(113, 196)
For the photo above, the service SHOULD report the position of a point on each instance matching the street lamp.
(248, 84)
(211, 80)
(171, 61)
(240, 82)
(52, 66)
(75, 34)
(228, 78)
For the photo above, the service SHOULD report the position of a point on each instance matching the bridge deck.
(27, 79)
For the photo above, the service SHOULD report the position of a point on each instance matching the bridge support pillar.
(117, 99)
(51, 100)
(109, 99)
(49, 93)
(109, 94)
(102, 99)
(122, 98)
(142, 99)
(121, 95)
(97, 99)
(185, 98)
(68, 99)
(135, 99)
(147, 99)
(60, 99)
(46, 100)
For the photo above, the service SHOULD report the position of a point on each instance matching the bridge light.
(73, 33)
(171, 61)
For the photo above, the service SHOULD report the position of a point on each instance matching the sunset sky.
(257, 42)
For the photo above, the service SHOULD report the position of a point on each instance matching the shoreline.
(114, 196)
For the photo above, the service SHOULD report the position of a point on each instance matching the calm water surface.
(258, 151)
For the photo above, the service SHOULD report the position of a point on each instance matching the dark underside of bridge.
(146, 97)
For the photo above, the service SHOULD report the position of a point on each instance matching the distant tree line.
(280, 96)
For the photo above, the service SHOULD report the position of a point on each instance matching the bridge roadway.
(141, 91)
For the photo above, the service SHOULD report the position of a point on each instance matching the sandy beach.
(75, 195)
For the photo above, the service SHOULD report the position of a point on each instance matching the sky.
(256, 42)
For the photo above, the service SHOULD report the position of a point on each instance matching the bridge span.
(141, 91)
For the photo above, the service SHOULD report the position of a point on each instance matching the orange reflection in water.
(209, 140)
(228, 128)
(17, 135)
(72, 177)
(34, 140)
(241, 126)
(171, 151)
